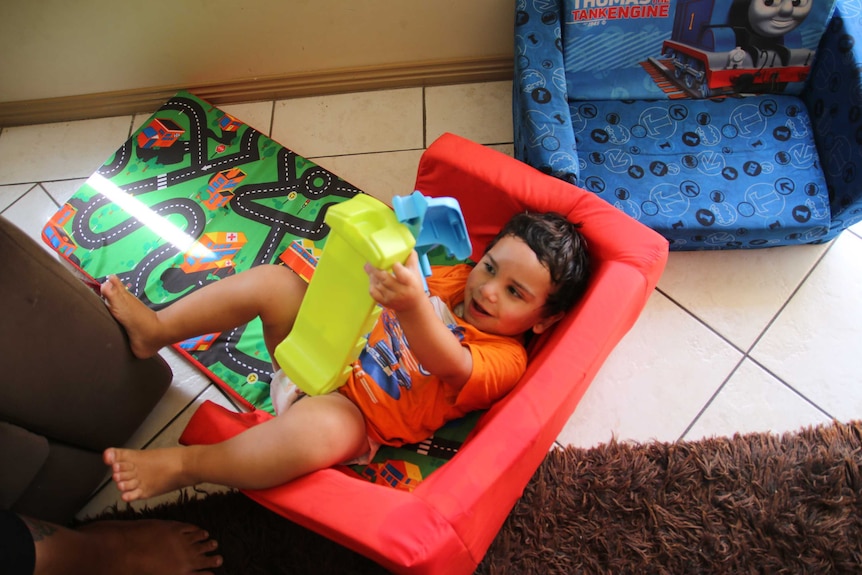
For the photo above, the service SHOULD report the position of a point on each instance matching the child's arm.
(435, 347)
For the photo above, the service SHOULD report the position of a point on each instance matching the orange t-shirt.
(401, 402)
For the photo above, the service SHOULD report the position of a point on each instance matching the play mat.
(196, 195)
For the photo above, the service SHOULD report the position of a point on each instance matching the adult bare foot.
(154, 547)
(141, 474)
(141, 323)
(137, 547)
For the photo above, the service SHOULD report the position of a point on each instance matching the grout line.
(791, 388)
(789, 299)
(317, 156)
(271, 118)
(50, 195)
(420, 149)
(701, 322)
(33, 186)
(47, 193)
(58, 180)
(712, 398)
(230, 399)
(780, 310)
(179, 413)
(746, 354)
(18, 199)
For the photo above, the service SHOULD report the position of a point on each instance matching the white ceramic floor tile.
(381, 175)
(10, 194)
(814, 345)
(187, 384)
(59, 151)
(108, 494)
(737, 293)
(63, 190)
(754, 401)
(655, 382)
(479, 112)
(30, 213)
(384, 121)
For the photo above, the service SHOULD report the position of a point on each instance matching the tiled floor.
(733, 341)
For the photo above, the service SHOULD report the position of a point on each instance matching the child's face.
(507, 290)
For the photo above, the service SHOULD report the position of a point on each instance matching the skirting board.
(313, 83)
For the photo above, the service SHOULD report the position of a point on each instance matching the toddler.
(427, 361)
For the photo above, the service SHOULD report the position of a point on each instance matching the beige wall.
(59, 48)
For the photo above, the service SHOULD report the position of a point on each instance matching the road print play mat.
(194, 196)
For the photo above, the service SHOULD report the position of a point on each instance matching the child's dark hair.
(560, 247)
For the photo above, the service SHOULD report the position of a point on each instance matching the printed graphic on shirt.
(387, 360)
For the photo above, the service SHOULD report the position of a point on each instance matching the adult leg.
(273, 293)
(315, 433)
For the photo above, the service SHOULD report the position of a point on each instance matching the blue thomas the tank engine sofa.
(719, 123)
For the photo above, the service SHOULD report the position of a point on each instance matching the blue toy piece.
(433, 222)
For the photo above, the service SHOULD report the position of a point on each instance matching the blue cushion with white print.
(755, 155)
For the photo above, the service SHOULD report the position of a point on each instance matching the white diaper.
(283, 392)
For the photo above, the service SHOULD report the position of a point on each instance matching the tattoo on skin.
(39, 529)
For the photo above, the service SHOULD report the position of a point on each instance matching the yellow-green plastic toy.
(337, 311)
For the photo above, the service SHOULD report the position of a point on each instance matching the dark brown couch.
(69, 386)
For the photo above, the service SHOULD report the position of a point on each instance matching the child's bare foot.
(141, 322)
(141, 474)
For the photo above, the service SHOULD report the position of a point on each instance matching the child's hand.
(399, 290)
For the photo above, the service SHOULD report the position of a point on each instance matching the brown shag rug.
(756, 503)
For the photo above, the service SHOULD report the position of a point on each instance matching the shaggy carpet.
(755, 503)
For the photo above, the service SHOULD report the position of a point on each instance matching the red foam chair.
(448, 522)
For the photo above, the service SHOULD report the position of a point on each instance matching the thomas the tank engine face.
(720, 47)
(775, 18)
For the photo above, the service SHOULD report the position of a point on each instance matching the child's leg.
(273, 293)
(317, 432)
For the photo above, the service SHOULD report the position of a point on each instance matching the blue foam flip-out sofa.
(719, 123)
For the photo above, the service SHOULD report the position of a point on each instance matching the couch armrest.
(831, 95)
(66, 370)
(544, 137)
